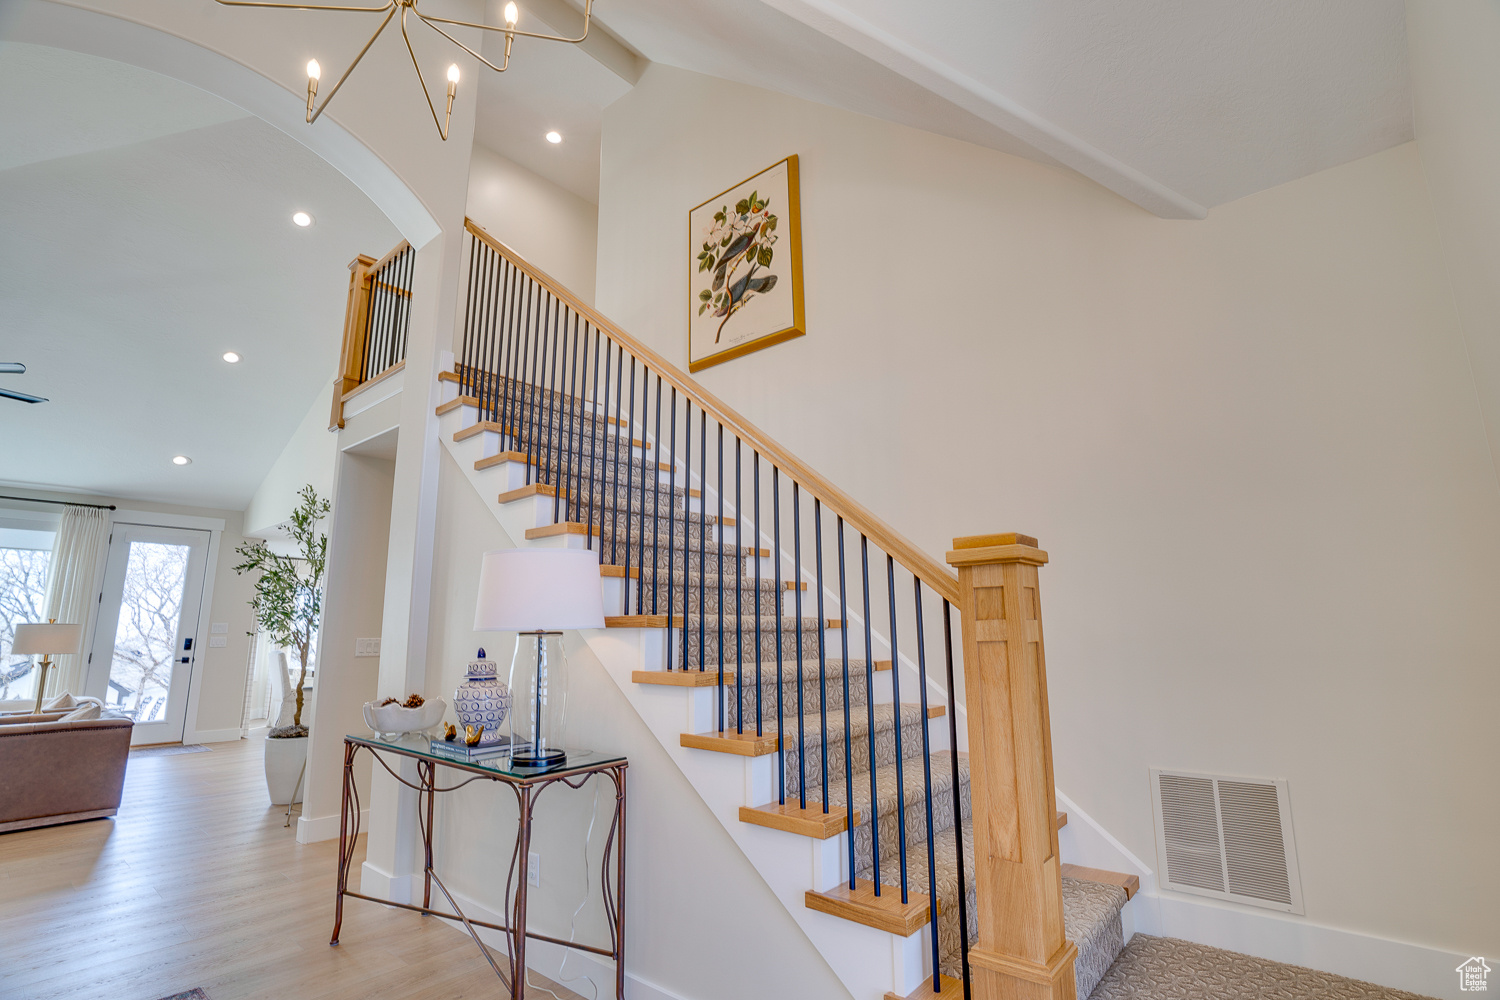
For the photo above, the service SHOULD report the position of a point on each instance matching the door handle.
(187, 659)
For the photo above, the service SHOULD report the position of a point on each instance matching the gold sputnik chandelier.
(390, 9)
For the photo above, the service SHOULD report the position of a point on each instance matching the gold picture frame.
(745, 265)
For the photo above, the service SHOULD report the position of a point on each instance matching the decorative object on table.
(450, 732)
(473, 734)
(288, 606)
(745, 268)
(539, 593)
(483, 699)
(435, 22)
(46, 640)
(495, 746)
(393, 718)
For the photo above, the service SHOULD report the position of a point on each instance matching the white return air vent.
(1230, 838)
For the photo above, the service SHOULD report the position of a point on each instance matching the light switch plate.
(367, 647)
(219, 628)
(218, 641)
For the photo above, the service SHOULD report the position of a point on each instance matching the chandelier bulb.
(314, 71)
(511, 14)
(453, 73)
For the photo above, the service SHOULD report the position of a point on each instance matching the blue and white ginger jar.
(483, 698)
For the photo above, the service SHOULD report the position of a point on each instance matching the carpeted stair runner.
(627, 500)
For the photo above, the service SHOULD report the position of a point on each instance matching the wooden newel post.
(1021, 953)
(356, 319)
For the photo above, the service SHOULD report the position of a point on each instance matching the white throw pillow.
(83, 713)
(60, 703)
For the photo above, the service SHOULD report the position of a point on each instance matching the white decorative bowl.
(395, 720)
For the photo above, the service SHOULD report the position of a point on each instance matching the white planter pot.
(284, 763)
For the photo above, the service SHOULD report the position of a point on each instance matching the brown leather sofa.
(58, 772)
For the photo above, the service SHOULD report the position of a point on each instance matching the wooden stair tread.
(1130, 883)
(731, 742)
(790, 818)
(473, 401)
(1060, 820)
(884, 912)
(953, 989)
(490, 425)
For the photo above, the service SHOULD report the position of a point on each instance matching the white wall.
(1455, 79)
(700, 919)
(1251, 445)
(358, 535)
(308, 458)
(548, 225)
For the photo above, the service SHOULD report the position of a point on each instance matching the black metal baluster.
(719, 552)
(702, 534)
(822, 656)
(603, 418)
(628, 431)
(656, 503)
(596, 494)
(780, 656)
(534, 388)
(848, 709)
(687, 531)
(864, 559)
(958, 826)
(518, 408)
(932, 900)
(465, 366)
(570, 459)
(477, 357)
(546, 473)
(648, 479)
(509, 348)
(890, 589)
(672, 533)
(614, 492)
(755, 558)
(739, 602)
(797, 607)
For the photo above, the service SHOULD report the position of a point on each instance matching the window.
(24, 555)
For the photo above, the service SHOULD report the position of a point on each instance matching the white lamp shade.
(539, 590)
(32, 638)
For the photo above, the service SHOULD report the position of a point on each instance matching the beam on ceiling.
(603, 47)
(833, 20)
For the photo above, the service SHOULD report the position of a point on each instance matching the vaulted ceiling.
(145, 229)
(1178, 105)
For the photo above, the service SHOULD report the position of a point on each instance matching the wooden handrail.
(930, 571)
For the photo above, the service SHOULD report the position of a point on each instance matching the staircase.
(809, 705)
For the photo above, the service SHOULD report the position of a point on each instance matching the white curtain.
(73, 586)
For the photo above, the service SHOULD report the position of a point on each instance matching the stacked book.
(498, 746)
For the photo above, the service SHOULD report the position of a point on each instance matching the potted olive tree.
(288, 606)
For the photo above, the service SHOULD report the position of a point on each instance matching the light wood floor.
(197, 884)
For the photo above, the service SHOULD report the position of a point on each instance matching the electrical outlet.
(218, 641)
(367, 647)
(534, 868)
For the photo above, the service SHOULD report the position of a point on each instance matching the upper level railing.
(377, 319)
(742, 553)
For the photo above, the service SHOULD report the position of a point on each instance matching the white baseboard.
(212, 735)
(310, 830)
(1250, 931)
(546, 958)
(373, 881)
(1281, 938)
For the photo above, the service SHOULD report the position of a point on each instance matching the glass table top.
(420, 745)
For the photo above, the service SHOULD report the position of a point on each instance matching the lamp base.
(545, 757)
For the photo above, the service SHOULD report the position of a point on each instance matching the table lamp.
(538, 593)
(34, 638)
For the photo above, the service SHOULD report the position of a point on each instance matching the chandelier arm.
(442, 130)
(305, 6)
(498, 69)
(587, 22)
(316, 115)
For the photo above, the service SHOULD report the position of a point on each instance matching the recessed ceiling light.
(181, 460)
(231, 357)
(302, 219)
(554, 137)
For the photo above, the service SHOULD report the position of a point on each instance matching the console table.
(527, 783)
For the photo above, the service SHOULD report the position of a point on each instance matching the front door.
(144, 647)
